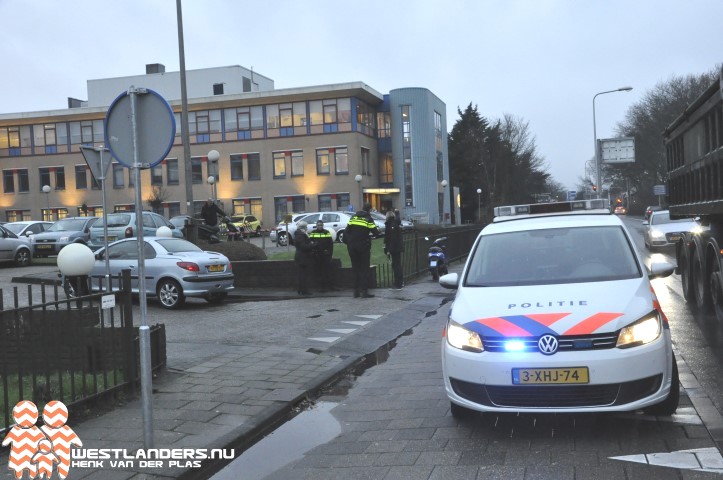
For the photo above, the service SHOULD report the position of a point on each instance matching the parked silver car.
(174, 269)
(14, 249)
(27, 228)
(61, 233)
(123, 225)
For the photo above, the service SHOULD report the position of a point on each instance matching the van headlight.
(460, 337)
(640, 332)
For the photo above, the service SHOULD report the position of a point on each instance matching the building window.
(131, 178)
(298, 203)
(174, 209)
(196, 171)
(157, 175)
(386, 169)
(297, 163)
(407, 155)
(84, 132)
(237, 167)
(280, 208)
(341, 160)
(384, 123)
(81, 177)
(366, 168)
(324, 202)
(23, 182)
(59, 178)
(118, 175)
(218, 88)
(254, 166)
(244, 123)
(44, 173)
(440, 167)
(365, 117)
(279, 164)
(8, 181)
(342, 201)
(322, 161)
(172, 171)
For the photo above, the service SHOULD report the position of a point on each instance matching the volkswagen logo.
(547, 344)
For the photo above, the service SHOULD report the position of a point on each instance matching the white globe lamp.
(164, 232)
(75, 259)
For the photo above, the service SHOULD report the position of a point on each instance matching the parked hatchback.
(28, 228)
(14, 249)
(61, 233)
(123, 225)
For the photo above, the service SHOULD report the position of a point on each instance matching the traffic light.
(619, 200)
(594, 188)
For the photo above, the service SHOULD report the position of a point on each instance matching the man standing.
(358, 238)
(304, 256)
(210, 213)
(322, 255)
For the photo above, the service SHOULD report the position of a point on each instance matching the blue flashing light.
(514, 346)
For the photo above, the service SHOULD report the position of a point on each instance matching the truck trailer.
(694, 156)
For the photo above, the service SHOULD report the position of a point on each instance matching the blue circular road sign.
(155, 128)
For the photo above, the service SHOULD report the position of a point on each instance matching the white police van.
(554, 312)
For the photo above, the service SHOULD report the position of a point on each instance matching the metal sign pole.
(105, 222)
(144, 331)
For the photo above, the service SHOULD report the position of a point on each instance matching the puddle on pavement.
(291, 440)
(286, 444)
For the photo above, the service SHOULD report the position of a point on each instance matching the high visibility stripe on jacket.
(317, 234)
(361, 222)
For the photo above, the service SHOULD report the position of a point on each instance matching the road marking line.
(343, 331)
(373, 317)
(361, 323)
(697, 459)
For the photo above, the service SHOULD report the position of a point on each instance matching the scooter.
(437, 256)
(210, 233)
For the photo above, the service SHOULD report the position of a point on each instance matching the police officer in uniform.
(358, 238)
(322, 255)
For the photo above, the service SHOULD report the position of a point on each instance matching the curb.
(245, 436)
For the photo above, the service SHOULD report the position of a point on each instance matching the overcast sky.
(540, 60)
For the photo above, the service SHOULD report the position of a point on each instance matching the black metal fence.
(69, 349)
(416, 246)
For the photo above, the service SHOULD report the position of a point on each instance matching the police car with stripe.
(554, 312)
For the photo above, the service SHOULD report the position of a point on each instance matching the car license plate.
(42, 246)
(538, 376)
(215, 268)
(432, 263)
(111, 239)
(673, 238)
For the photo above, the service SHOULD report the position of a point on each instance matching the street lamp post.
(594, 132)
(213, 157)
(358, 179)
(212, 181)
(46, 190)
(479, 205)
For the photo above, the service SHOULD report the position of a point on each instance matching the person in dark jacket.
(322, 256)
(358, 238)
(304, 257)
(393, 246)
(210, 212)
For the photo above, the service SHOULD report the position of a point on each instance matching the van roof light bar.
(551, 208)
